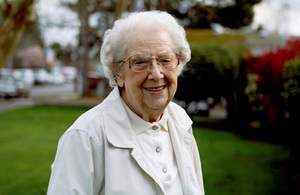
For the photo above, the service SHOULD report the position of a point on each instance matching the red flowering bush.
(265, 83)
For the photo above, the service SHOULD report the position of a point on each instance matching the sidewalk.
(74, 99)
(79, 101)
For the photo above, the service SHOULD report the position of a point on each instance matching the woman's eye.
(165, 60)
(140, 61)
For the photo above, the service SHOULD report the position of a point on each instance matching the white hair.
(116, 39)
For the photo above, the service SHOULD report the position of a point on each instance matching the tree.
(106, 13)
(191, 13)
(17, 16)
(200, 14)
(238, 14)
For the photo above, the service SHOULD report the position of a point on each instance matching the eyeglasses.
(141, 62)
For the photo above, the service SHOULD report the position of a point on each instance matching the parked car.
(5, 72)
(11, 87)
(8, 88)
(195, 108)
(57, 77)
(200, 108)
(24, 74)
(41, 77)
(23, 88)
(70, 73)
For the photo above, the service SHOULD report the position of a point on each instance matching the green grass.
(233, 166)
(29, 139)
(27, 146)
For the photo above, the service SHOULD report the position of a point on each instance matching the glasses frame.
(156, 57)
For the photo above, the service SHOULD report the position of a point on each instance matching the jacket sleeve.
(77, 168)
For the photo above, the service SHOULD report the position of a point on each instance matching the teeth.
(155, 88)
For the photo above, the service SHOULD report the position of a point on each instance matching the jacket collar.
(117, 126)
(117, 123)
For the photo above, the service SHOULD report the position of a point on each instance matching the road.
(55, 93)
(39, 95)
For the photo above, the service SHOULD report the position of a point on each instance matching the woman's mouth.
(155, 88)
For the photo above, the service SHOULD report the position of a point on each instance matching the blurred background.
(244, 71)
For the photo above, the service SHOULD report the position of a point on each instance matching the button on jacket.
(98, 155)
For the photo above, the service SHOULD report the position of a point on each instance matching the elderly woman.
(136, 141)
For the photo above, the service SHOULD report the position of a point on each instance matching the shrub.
(211, 73)
(291, 80)
(265, 84)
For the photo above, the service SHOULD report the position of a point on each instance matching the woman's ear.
(119, 80)
(118, 73)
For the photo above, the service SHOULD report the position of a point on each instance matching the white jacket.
(98, 155)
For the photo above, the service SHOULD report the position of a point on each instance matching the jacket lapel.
(119, 131)
(182, 144)
(117, 127)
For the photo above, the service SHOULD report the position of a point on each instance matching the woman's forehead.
(151, 43)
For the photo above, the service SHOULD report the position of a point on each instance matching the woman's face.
(148, 93)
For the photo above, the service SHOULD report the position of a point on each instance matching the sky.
(281, 16)
(51, 13)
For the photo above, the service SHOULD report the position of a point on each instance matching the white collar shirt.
(155, 143)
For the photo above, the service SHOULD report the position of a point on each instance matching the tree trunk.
(18, 16)
(84, 50)
(119, 10)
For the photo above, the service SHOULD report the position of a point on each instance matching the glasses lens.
(140, 62)
(168, 61)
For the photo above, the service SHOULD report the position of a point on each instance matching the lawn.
(231, 165)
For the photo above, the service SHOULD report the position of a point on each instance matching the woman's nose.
(155, 71)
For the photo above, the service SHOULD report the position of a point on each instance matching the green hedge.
(210, 72)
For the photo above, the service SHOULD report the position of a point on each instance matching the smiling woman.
(137, 124)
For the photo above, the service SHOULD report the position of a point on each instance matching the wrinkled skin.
(148, 93)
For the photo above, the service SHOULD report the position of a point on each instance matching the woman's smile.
(155, 89)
